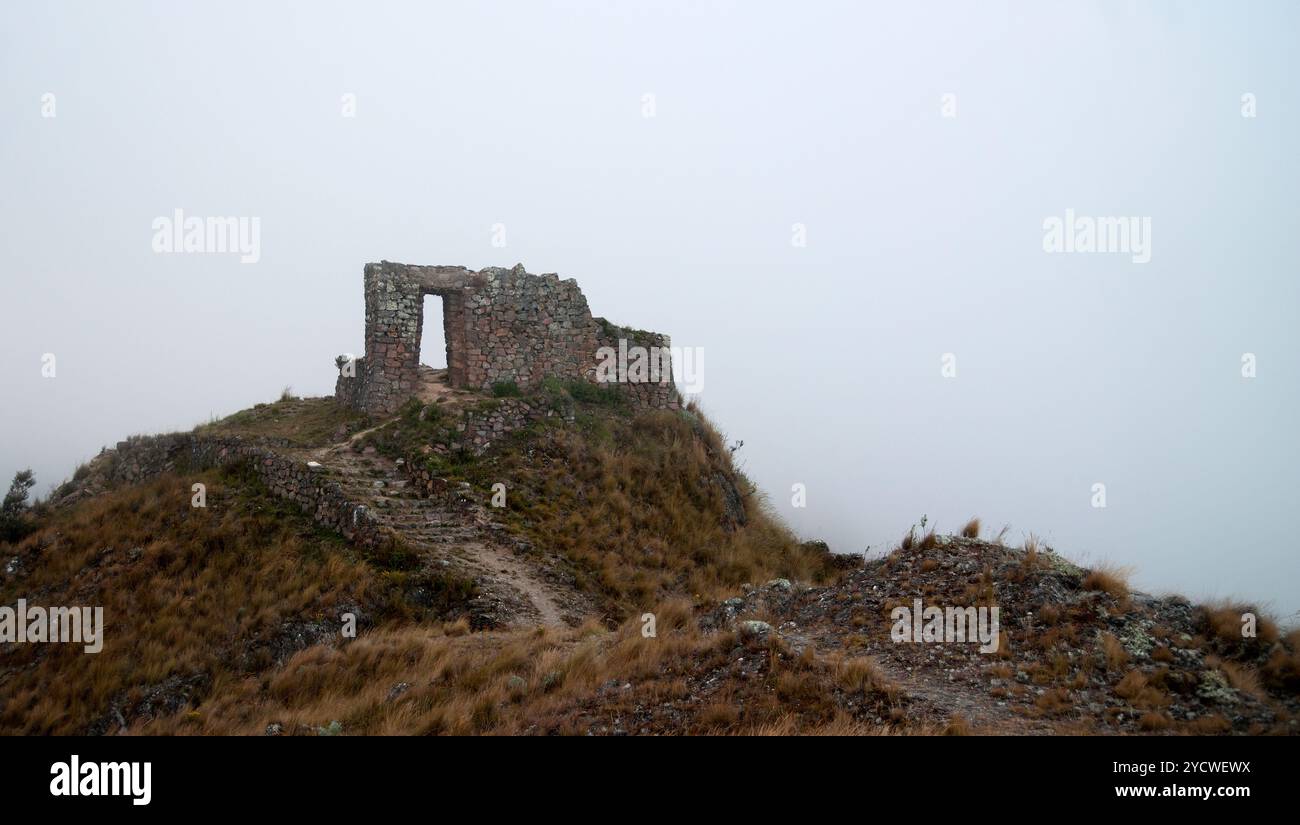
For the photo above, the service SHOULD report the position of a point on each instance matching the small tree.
(13, 511)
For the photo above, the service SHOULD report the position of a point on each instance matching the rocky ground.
(1072, 657)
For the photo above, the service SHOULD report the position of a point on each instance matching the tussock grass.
(308, 422)
(1242, 678)
(1137, 689)
(957, 726)
(1223, 621)
(199, 596)
(646, 506)
(862, 675)
(1114, 656)
(1154, 722)
(536, 681)
(1109, 579)
(1282, 670)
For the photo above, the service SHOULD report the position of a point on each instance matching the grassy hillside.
(195, 599)
(706, 614)
(647, 506)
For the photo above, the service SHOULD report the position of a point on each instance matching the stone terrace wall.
(659, 393)
(143, 457)
(499, 324)
(479, 428)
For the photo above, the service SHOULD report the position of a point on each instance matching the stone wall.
(143, 457)
(657, 391)
(500, 325)
(478, 428)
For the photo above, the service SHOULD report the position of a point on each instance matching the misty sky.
(924, 237)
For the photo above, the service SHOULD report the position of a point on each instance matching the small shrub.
(505, 389)
(593, 393)
(14, 520)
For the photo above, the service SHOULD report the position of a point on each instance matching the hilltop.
(633, 581)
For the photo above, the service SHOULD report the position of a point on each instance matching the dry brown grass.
(842, 725)
(1049, 613)
(721, 715)
(307, 422)
(1223, 621)
(1136, 689)
(538, 681)
(1109, 579)
(957, 726)
(1282, 670)
(1207, 725)
(1154, 721)
(209, 597)
(862, 676)
(1003, 672)
(1114, 656)
(1242, 678)
(971, 529)
(197, 595)
(1054, 702)
(639, 505)
(1131, 685)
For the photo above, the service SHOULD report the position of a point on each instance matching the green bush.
(14, 521)
(594, 393)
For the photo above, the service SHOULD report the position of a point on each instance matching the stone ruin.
(500, 325)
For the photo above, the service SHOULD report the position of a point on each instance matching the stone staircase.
(453, 532)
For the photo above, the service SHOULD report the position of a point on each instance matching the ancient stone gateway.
(500, 325)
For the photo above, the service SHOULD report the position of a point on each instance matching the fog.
(662, 154)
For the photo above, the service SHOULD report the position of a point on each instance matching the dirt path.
(500, 563)
(929, 686)
(946, 699)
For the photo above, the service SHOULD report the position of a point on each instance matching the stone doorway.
(433, 334)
